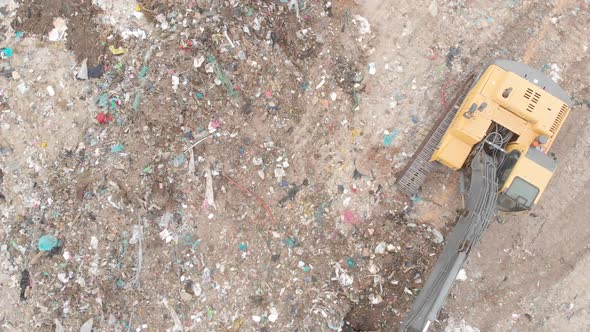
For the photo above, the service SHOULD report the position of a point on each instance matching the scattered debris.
(117, 51)
(437, 236)
(83, 71)
(274, 315)
(25, 284)
(372, 68)
(462, 275)
(58, 32)
(363, 24)
(452, 54)
(554, 73)
(380, 248)
(87, 326)
(177, 323)
(209, 196)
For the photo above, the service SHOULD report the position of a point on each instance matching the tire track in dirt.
(533, 45)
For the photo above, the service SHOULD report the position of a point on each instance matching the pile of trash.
(197, 185)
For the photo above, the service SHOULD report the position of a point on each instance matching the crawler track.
(416, 171)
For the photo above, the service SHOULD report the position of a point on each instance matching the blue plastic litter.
(47, 242)
(7, 52)
(388, 139)
(117, 148)
(178, 160)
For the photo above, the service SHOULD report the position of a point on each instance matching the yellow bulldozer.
(498, 132)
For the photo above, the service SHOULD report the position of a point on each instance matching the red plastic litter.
(186, 45)
(214, 124)
(103, 118)
(351, 217)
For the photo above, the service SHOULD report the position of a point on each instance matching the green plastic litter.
(250, 11)
(103, 100)
(148, 169)
(221, 76)
(226, 81)
(399, 96)
(124, 245)
(117, 148)
(306, 268)
(350, 262)
(243, 246)
(120, 283)
(355, 98)
(290, 242)
(416, 199)
(319, 213)
(47, 242)
(305, 85)
(136, 101)
(199, 95)
(189, 241)
(143, 71)
(346, 21)
(210, 312)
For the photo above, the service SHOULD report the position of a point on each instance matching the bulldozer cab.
(516, 111)
(522, 177)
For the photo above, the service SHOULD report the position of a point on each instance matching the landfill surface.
(194, 165)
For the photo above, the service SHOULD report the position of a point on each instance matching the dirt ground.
(234, 167)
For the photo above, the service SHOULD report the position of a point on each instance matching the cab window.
(507, 166)
(522, 192)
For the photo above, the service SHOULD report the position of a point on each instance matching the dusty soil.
(36, 17)
(242, 175)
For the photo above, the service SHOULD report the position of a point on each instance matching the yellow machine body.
(532, 109)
